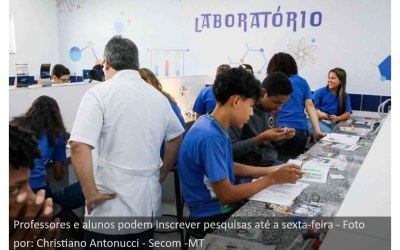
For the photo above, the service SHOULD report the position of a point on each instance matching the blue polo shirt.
(49, 153)
(327, 102)
(205, 101)
(205, 157)
(292, 113)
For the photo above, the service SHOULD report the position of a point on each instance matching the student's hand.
(334, 118)
(274, 134)
(322, 115)
(96, 198)
(318, 135)
(288, 173)
(27, 204)
(26, 207)
(289, 133)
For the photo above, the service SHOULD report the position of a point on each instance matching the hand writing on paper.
(288, 173)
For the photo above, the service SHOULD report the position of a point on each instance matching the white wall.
(36, 34)
(354, 35)
(68, 97)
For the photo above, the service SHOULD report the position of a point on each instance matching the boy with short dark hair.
(254, 144)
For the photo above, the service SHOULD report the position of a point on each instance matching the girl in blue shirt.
(44, 119)
(148, 76)
(205, 101)
(292, 113)
(332, 102)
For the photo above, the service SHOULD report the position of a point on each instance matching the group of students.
(327, 106)
(137, 129)
(249, 131)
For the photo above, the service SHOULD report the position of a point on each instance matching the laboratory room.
(187, 124)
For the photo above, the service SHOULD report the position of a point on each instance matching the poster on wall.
(167, 62)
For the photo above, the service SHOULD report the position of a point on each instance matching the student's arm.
(317, 101)
(242, 147)
(322, 115)
(337, 118)
(228, 193)
(312, 114)
(59, 157)
(346, 114)
(81, 156)
(58, 170)
(170, 156)
(272, 134)
(242, 170)
(173, 139)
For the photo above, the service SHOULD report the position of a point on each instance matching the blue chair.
(75, 78)
(86, 74)
(22, 81)
(11, 80)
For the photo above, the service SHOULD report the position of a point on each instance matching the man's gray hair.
(121, 53)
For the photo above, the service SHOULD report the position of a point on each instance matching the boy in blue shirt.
(205, 161)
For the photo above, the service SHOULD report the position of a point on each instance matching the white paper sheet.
(341, 138)
(282, 194)
(317, 169)
(358, 131)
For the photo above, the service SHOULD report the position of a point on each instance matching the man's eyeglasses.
(64, 80)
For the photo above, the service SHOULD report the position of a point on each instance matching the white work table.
(369, 196)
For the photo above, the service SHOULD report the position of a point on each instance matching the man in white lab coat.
(127, 120)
